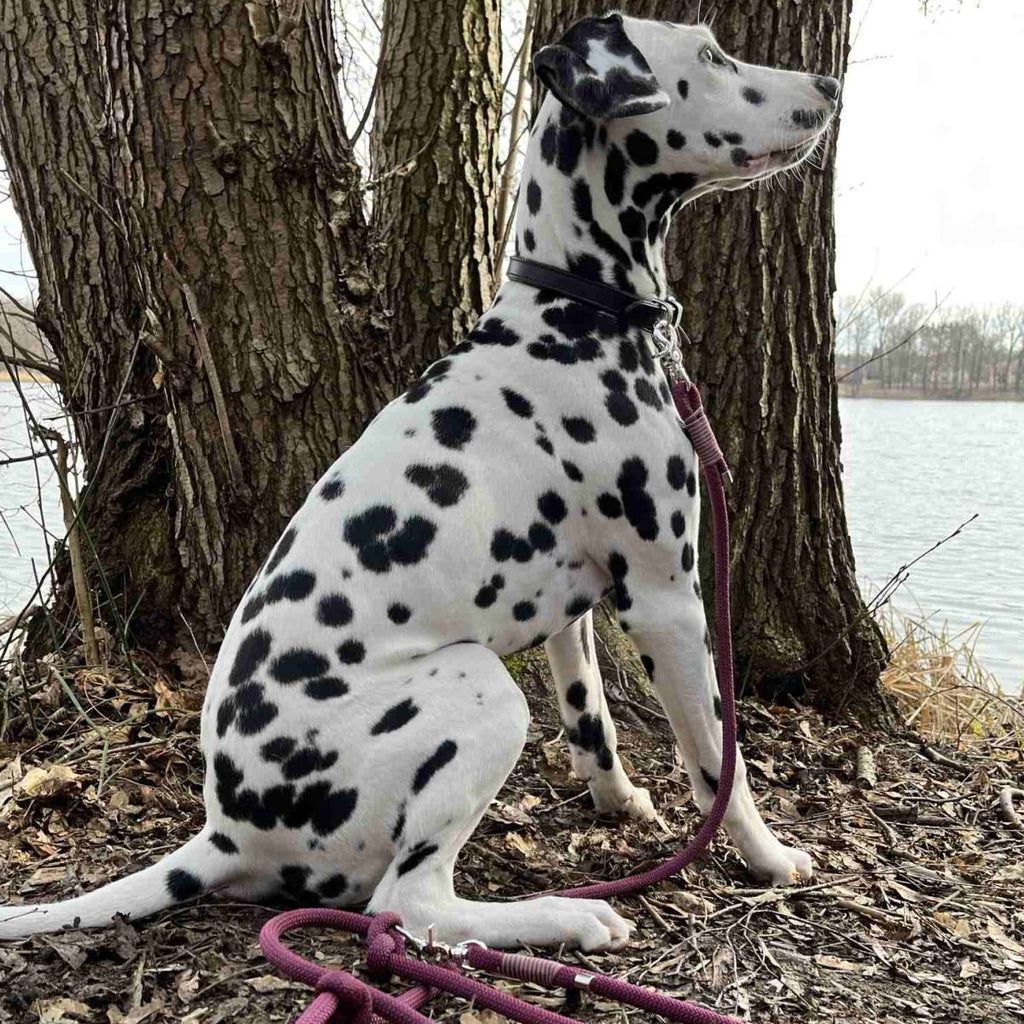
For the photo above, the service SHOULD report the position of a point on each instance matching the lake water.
(913, 472)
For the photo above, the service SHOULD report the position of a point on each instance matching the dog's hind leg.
(477, 720)
(588, 723)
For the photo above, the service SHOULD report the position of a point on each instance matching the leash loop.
(349, 993)
(382, 946)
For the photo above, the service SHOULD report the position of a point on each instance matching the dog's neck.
(587, 207)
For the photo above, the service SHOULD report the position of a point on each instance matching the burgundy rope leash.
(342, 996)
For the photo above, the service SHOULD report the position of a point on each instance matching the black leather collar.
(645, 313)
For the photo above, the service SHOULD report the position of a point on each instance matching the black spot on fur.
(709, 780)
(506, 545)
(810, 118)
(223, 843)
(718, 707)
(399, 613)
(444, 484)
(570, 145)
(669, 186)
(297, 664)
(541, 537)
(284, 545)
(582, 201)
(533, 196)
(618, 567)
(733, 138)
(578, 605)
(752, 95)
(675, 140)
(372, 532)
(417, 855)
(433, 764)
(572, 471)
(579, 429)
(549, 142)
(588, 735)
(676, 473)
(609, 506)
(252, 652)
(333, 886)
(326, 687)
(334, 488)
(576, 696)
(395, 717)
(523, 611)
(529, 240)
(633, 223)
(642, 149)
(552, 507)
(334, 610)
(183, 885)
(492, 331)
(453, 426)
(277, 749)
(615, 176)
(636, 502)
(713, 140)
(684, 88)
(678, 523)
(687, 558)
(351, 652)
(647, 392)
(517, 404)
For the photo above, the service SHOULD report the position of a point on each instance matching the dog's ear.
(597, 71)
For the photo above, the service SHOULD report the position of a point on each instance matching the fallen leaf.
(10, 775)
(46, 780)
(836, 963)
(50, 1011)
(268, 983)
(998, 936)
(969, 968)
(136, 1015)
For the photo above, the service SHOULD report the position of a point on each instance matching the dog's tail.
(200, 865)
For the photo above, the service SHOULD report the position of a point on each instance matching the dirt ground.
(916, 911)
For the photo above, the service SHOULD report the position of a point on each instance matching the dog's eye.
(712, 56)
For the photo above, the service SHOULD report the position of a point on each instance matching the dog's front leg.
(588, 723)
(669, 628)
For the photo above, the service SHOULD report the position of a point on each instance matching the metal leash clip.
(666, 334)
(442, 949)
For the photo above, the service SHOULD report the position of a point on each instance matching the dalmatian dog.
(359, 720)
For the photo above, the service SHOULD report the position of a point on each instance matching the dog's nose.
(829, 87)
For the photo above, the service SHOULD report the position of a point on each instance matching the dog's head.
(678, 105)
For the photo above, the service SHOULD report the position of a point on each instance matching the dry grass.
(941, 689)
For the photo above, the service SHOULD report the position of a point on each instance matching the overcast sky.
(930, 154)
(931, 149)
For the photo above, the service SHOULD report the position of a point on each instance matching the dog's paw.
(622, 799)
(781, 865)
(590, 925)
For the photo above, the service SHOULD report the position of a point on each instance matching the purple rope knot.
(348, 992)
(382, 945)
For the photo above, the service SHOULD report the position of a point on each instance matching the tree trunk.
(435, 158)
(190, 204)
(754, 270)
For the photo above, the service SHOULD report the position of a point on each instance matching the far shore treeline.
(887, 347)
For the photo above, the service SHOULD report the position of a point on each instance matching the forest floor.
(915, 911)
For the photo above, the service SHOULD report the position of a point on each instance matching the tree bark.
(190, 203)
(755, 271)
(435, 163)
